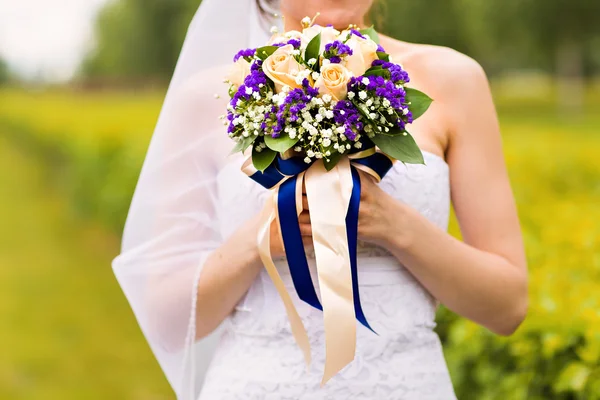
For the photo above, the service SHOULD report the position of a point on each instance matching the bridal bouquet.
(315, 106)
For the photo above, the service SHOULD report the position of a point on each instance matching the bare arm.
(484, 278)
(226, 276)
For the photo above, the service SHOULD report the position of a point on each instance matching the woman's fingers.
(304, 202)
(304, 218)
(305, 229)
(308, 242)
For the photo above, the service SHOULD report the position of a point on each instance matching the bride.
(190, 263)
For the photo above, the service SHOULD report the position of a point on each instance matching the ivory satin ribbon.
(328, 194)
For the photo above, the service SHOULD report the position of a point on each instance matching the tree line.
(142, 38)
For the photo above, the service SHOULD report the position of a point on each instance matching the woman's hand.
(375, 224)
(277, 248)
(379, 214)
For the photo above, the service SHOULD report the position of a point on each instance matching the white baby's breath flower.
(326, 62)
(318, 117)
(386, 103)
(307, 160)
(365, 81)
(327, 97)
(274, 29)
(369, 103)
(318, 155)
(348, 146)
(306, 21)
(340, 129)
(298, 149)
(312, 61)
(286, 89)
(326, 142)
(327, 154)
(351, 95)
(358, 145)
(315, 75)
(248, 90)
(256, 95)
(362, 95)
(373, 115)
(310, 153)
(405, 111)
(329, 114)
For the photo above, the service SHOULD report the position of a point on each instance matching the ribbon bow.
(334, 199)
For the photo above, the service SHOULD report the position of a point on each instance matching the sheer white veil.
(171, 228)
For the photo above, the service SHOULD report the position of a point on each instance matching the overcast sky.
(46, 37)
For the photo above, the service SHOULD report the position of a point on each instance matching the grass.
(66, 332)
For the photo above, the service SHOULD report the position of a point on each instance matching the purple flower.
(294, 42)
(357, 33)
(397, 74)
(246, 53)
(348, 116)
(380, 48)
(336, 50)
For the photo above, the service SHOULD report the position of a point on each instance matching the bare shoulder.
(441, 69)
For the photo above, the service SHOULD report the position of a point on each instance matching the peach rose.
(328, 35)
(239, 72)
(334, 81)
(364, 53)
(282, 68)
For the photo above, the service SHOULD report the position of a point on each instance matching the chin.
(339, 13)
(340, 18)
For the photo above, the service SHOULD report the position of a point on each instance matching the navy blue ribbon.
(290, 227)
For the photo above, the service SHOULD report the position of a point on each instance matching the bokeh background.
(81, 85)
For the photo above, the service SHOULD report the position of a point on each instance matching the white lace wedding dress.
(257, 358)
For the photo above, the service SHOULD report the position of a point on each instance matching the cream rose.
(282, 68)
(239, 72)
(328, 35)
(364, 53)
(334, 81)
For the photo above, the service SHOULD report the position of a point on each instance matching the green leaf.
(281, 144)
(572, 378)
(313, 50)
(243, 144)
(262, 159)
(401, 146)
(372, 33)
(266, 51)
(419, 102)
(383, 56)
(331, 161)
(378, 71)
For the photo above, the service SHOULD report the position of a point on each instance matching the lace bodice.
(257, 357)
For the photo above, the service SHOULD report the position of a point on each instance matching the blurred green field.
(68, 165)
